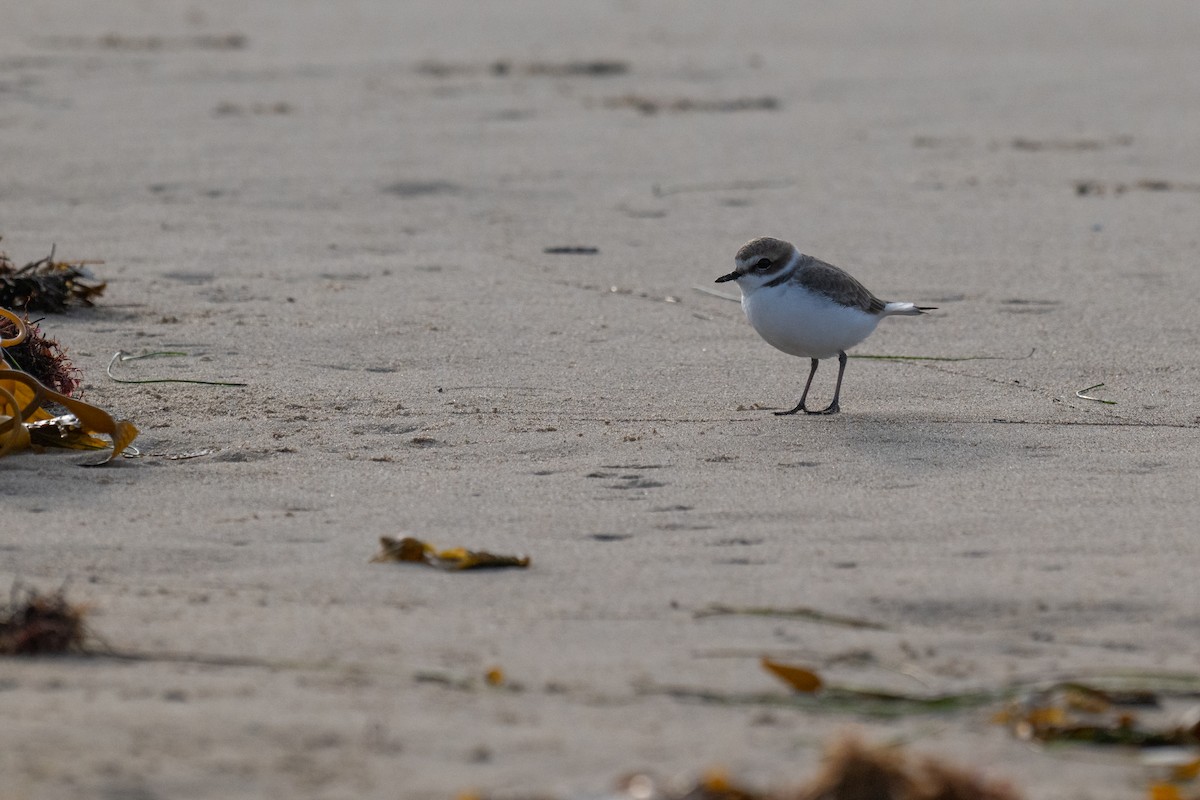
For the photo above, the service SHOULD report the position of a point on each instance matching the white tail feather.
(905, 309)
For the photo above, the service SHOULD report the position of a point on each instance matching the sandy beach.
(462, 256)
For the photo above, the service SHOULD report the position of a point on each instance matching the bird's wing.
(838, 285)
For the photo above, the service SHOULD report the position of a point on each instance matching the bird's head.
(760, 260)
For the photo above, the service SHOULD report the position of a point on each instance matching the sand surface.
(347, 206)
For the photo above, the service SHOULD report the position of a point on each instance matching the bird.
(808, 308)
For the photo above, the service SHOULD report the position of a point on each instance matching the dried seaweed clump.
(41, 357)
(46, 284)
(36, 624)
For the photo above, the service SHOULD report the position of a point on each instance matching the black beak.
(733, 276)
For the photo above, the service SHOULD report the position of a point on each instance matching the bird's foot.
(832, 408)
(798, 408)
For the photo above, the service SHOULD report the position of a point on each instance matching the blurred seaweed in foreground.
(851, 770)
(36, 624)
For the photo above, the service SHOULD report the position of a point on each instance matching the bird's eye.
(763, 264)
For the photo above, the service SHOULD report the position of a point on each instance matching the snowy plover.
(806, 307)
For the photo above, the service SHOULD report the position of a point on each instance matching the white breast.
(803, 323)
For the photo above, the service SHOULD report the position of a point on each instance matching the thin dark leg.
(833, 407)
(800, 405)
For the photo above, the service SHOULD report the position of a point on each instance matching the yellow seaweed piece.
(21, 398)
(410, 549)
(799, 678)
(28, 395)
(13, 435)
(1164, 791)
(19, 336)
